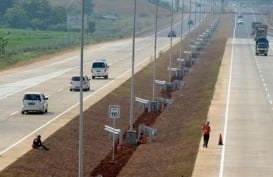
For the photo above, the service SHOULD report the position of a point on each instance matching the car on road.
(172, 34)
(34, 102)
(75, 83)
(190, 22)
(99, 68)
(240, 21)
(240, 15)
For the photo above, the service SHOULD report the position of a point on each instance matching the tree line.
(37, 14)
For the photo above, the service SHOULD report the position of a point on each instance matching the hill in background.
(120, 13)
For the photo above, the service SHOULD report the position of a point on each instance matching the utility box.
(131, 137)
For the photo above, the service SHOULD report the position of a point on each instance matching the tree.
(89, 7)
(38, 12)
(16, 17)
(57, 15)
(5, 4)
(3, 43)
(91, 26)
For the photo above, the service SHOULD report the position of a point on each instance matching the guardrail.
(114, 131)
(147, 131)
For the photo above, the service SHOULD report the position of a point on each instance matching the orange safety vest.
(143, 140)
(206, 129)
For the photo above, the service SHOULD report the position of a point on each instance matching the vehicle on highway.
(240, 15)
(34, 102)
(75, 83)
(261, 31)
(240, 21)
(190, 22)
(262, 46)
(172, 34)
(99, 68)
(253, 27)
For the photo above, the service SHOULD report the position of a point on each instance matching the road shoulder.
(207, 163)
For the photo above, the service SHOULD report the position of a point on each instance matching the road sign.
(114, 111)
(74, 22)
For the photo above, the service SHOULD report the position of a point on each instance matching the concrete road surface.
(241, 111)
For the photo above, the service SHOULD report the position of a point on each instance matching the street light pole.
(189, 22)
(171, 43)
(154, 64)
(81, 120)
(133, 71)
(181, 37)
(195, 21)
(131, 133)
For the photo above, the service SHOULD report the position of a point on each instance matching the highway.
(52, 77)
(241, 110)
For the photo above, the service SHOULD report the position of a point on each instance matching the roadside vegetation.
(32, 28)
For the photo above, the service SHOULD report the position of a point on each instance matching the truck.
(261, 31)
(262, 46)
(253, 26)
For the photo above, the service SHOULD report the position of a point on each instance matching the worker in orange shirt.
(206, 133)
(142, 139)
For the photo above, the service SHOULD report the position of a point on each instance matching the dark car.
(172, 34)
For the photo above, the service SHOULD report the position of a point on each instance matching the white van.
(99, 68)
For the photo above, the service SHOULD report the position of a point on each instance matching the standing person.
(37, 143)
(206, 133)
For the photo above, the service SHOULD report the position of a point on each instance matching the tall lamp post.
(190, 22)
(154, 64)
(131, 133)
(81, 96)
(195, 21)
(171, 43)
(181, 28)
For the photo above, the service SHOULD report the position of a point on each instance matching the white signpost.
(74, 22)
(114, 113)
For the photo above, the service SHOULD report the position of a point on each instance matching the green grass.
(20, 38)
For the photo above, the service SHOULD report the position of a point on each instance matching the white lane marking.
(264, 84)
(58, 116)
(62, 61)
(268, 95)
(13, 113)
(270, 101)
(60, 90)
(227, 106)
(13, 88)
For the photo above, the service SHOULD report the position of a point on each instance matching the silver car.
(75, 83)
(34, 102)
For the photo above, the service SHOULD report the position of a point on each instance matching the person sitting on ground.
(141, 139)
(37, 143)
